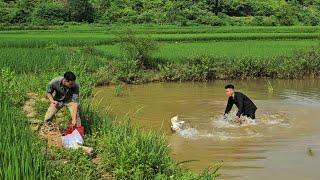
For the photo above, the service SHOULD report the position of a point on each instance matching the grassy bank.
(302, 63)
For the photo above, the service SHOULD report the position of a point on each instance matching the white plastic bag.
(72, 140)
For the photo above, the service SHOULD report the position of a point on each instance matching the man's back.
(247, 103)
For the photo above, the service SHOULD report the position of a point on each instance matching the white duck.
(176, 124)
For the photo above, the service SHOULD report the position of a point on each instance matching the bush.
(6, 12)
(211, 19)
(286, 15)
(270, 21)
(50, 13)
(118, 70)
(137, 49)
(11, 87)
(80, 11)
(309, 17)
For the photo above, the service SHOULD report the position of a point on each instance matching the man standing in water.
(64, 91)
(245, 106)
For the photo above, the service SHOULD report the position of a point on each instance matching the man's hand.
(52, 101)
(74, 109)
(73, 123)
(55, 103)
(225, 117)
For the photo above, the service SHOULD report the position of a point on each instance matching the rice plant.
(21, 153)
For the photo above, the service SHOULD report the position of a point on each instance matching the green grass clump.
(129, 153)
(71, 164)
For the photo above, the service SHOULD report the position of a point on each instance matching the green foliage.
(80, 10)
(183, 12)
(286, 15)
(310, 152)
(118, 70)
(22, 11)
(130, 154)
(304, 63)
(118, 90)
(85, 80)
(137, 49)
(11, 86)
(7, 12)
(50, 13)
(71, 164)
(301, 63)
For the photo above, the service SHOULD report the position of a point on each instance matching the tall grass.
(23, 60)
(130, 153)
(21, 154)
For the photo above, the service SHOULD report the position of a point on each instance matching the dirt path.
(49, 131)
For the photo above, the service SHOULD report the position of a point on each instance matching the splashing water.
(189, 133)
(228, 121)
(226, 128)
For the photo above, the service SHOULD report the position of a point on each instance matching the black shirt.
(244, 104)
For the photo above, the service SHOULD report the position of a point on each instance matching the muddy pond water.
(283, 142)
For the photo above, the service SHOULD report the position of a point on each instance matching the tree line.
(183, 12)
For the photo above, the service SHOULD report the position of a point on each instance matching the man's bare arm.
(74, 109)
(52, 101)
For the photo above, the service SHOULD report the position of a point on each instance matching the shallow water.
(272, 146)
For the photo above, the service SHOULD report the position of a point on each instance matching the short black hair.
(229, 86)
(70, 76)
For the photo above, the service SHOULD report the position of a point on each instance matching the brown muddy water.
(273, 146)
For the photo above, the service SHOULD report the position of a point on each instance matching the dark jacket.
(244, 104)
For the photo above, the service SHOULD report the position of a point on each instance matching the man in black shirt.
(245, 106)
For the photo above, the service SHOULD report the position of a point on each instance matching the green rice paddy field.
(174, 43)
(253, 48)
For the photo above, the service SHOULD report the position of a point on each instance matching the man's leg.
(52, 110)
(69, 104)
(251, 114)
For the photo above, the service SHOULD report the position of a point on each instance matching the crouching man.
(64, 91)
(245, 106)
